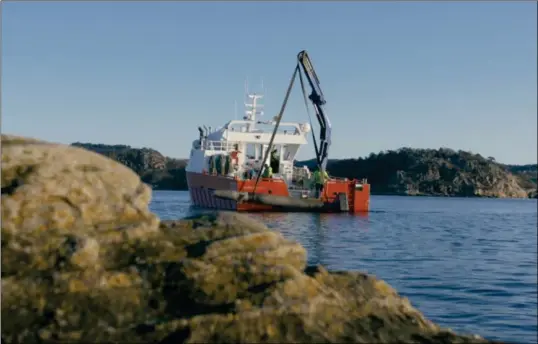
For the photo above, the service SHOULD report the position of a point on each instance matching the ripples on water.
(468, 264)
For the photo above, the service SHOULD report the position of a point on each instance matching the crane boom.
(317, 98)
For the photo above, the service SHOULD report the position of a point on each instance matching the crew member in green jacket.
(267, 172)
(319, 181)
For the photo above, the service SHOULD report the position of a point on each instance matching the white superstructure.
(244, 143)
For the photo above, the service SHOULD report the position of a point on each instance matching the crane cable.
(279, 117)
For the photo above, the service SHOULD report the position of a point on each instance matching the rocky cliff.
(84, 261)
(155, 169)
(527, 177)
(438, 172)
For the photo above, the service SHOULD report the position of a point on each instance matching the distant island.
(155, 169)
(405, 171)
(437, 172)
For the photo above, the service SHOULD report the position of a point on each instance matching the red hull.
(201, 187)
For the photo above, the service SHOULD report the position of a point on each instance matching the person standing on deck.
(235, 155)
(275, 160)
(319, 180)
(267, 172)
(251, 172)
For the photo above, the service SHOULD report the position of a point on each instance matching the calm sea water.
(468, 264)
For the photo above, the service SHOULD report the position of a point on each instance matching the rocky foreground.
(83, 260)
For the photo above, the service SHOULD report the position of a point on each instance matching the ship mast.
(252, 109)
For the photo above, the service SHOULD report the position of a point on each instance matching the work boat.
(248, 165)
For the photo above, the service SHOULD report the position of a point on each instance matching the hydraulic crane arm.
(322, 154)
(317, 98)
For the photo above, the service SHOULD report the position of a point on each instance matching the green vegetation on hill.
(406, 171)
(155, 169)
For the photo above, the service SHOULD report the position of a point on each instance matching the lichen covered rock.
(83, 260)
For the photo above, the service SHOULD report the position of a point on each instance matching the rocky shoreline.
(84, 260)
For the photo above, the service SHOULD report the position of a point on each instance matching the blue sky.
(418, 74)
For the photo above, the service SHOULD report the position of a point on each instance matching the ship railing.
(221, 146)
(299, 173)
(341, 179)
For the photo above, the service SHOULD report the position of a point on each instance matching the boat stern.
(351, 196)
